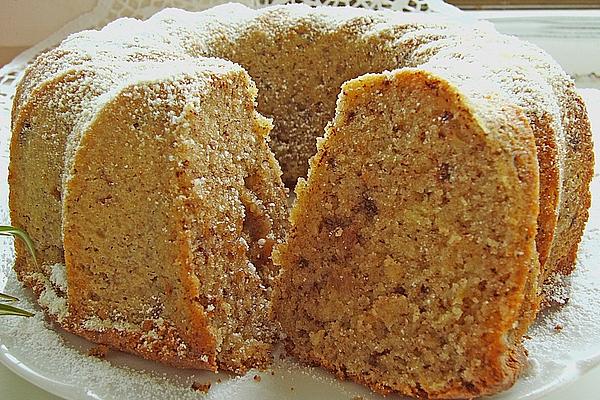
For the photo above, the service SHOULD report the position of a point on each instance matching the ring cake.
(450, 184)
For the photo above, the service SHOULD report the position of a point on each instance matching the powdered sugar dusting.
(557, 289)
(100, 325)
(58, 276)
(55, 304)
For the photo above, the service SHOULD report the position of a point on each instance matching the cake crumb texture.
(389, 275)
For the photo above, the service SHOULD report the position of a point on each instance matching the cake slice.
(171, 202)
(411, 264)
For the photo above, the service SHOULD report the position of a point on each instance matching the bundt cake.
(442, 196)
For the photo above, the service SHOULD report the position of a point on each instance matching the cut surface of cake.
(412, 249)
(442, 196)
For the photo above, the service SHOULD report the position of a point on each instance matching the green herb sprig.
(5, 299)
